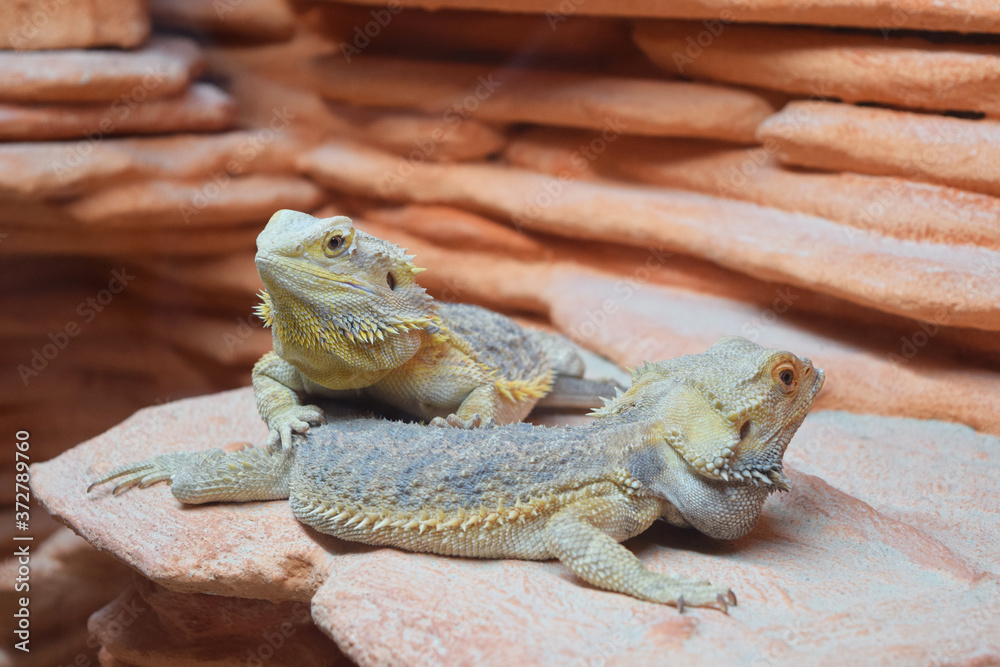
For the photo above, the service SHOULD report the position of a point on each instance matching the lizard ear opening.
(390, 280)
(745, 430)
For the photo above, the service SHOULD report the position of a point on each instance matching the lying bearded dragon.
(696, 440)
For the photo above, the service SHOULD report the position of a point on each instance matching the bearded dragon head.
(327, 282)
(730, 412)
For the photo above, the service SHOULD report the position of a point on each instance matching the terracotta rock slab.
(224, 199)
(421, 136)
(202, 107)
(884, 204)
(459, 230)
(956, 15)
(921, 147)
(617, 105)
(149, 626)
(163, 67)
(146, 242)
(249, 19)
(819, 571)
(450, 34)
(766, 243)
(855, 68)
(38, 24)
(50, 169)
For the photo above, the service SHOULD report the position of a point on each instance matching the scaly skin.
(697, 441)
(346, 313)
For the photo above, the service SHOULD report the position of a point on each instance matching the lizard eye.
(390, 280)
(784, 376)
(335, 243)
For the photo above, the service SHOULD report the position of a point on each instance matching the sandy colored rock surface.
(149, 626)
(200, 108)
(610, 104)
(884, 557)
(844, 137)
(68, 580)
(816, 63)
(163, 67)
(957, 15)
(246, 19)
(450, 34)
(50, 169)
(38, 24)
(879, 272)
(884, 204)
(224, 199)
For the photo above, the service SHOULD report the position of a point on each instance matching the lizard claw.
(732, 598)
(145, 473)
(294, 419)
(454, 421)
(680, 604)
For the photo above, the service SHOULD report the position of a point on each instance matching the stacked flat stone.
(123, 170)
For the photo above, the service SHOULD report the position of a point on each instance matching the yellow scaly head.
(729, 412)
(328, 282)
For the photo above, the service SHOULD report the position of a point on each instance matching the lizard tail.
(574, 393)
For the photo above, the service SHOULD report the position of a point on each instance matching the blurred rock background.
(644, 177)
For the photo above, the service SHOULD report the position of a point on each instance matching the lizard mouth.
(273, 269)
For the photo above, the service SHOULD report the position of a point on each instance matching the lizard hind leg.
(209, 476)
(585, 534)
(148, 472)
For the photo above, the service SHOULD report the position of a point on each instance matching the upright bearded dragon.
(346, 313)
(697, 440)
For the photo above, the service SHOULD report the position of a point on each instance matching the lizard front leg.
(585, 535)
(480, 408)
(276, 384)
